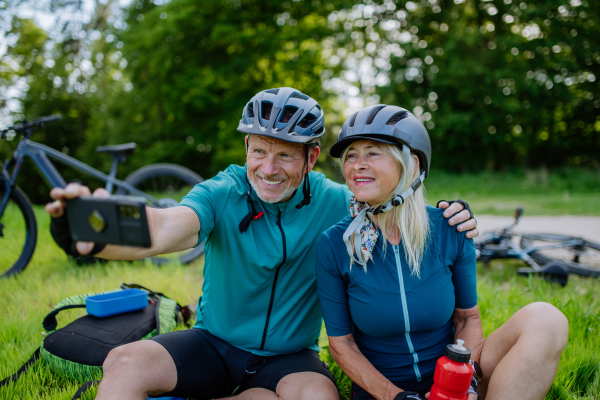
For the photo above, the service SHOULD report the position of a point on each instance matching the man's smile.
(271, 182)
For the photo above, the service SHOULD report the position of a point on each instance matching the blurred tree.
(193, 66)
(497, 83)
(54, 76)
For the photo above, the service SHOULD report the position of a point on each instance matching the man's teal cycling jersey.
(259, 292)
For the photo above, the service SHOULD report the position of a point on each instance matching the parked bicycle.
(162, 185)
(549, 255)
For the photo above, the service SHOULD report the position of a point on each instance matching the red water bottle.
(453, 373)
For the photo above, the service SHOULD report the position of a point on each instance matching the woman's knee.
(543, 320)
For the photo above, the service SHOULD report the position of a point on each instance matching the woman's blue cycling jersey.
(401, 323)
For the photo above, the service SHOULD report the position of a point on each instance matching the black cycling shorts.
(422, 387)
(208, 367)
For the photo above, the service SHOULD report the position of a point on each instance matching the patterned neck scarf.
(363, 227)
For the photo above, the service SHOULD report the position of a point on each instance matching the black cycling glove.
(464, 203)
(61, 233)
(409, 396)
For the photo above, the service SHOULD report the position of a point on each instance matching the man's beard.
(287, 193)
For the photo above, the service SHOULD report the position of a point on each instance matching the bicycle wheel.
(580, 256)
(168, 183)
(18, 232)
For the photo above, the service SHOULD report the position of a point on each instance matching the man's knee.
(546, 322)
(128, 356)
(307, 386)
(320, 390)
(119, 357)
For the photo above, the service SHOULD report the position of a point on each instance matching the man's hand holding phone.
(167, 230)
(57, 208)
(82, 224)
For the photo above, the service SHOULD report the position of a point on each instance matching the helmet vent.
(306, 121)
(272, 91)
(266, 108)
(297, 95)
(396, 118)
(288, 113)
(319, 131)
(250, 110)
(353, 119)
(373, 114)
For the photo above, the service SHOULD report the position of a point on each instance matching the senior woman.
(397, 285)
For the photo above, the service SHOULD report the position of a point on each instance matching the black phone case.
(124, 220)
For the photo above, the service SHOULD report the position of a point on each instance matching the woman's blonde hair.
(411, 218)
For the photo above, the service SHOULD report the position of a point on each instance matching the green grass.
(565, 191)
(561, 191)
(27, 298)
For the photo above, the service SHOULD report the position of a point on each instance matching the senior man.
(259, 317)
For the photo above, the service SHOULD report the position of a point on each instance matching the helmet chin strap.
(398, 199)
(305, 185)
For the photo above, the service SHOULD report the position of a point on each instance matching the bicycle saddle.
(120, 149)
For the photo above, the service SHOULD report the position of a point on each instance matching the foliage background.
(500, 84)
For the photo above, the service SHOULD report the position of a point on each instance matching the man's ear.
(246, 142)
(313, 156)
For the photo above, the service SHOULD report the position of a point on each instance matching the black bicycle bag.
(79, 349)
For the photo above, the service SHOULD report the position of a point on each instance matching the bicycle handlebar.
(29, 125)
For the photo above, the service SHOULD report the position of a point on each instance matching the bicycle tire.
(569, 256)
(24, 205)
(144, 177)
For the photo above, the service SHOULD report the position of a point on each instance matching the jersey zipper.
(405, 312)
(264, 336)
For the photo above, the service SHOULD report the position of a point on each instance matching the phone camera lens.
(97, 221)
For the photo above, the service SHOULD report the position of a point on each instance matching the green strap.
(50, 323)
(76, 301)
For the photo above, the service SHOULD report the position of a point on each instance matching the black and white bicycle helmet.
(284, 113)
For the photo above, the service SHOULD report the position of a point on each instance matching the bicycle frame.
(40, 155)
(508, 249)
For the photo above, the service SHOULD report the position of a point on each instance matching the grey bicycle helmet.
(284, 113)
(386, 124)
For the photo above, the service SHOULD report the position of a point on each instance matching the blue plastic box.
(105, 305)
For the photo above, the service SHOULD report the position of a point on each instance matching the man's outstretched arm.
(171, 229)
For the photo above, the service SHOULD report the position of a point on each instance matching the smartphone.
(114, 220)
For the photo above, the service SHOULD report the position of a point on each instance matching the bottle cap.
(457, 352)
